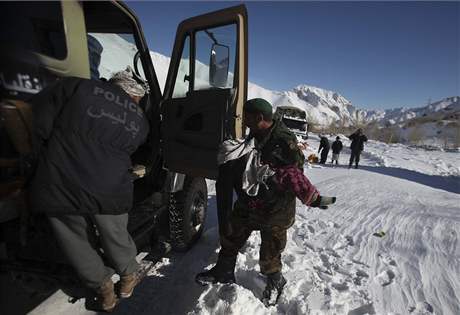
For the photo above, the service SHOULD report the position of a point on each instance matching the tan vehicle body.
(170, 192)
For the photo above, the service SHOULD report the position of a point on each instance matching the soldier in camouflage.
(271, 211)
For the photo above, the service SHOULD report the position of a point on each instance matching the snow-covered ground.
(333, 263)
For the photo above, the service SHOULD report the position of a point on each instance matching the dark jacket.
(357, 142)
(271, 206)
(337, 146)
(84, 134)
(323, 144)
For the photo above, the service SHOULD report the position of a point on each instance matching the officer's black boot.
(222, 272)
(274, 288)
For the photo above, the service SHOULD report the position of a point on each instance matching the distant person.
(357, 146)
(324, 149)
(337, 147)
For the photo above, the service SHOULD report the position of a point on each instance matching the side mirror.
(218, 65)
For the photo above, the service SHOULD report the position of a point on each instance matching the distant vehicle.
(201, 105)
(295, 119)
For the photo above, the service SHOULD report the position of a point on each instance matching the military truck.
(295, 119)
(200, 105)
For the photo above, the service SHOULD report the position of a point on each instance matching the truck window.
(181, 86)
(110, 53)
(223, 35)
(295, 124)
(110, 33)
(38, 27)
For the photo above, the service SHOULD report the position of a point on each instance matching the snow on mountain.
(401, 115)
(323, 107)
(437, 124)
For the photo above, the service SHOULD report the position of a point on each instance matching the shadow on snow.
(447, 183)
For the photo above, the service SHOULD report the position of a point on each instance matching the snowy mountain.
(323, 107)
(402, 115)
(436, 124)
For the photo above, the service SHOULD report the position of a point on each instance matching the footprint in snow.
(227, 293)
(422, 308)
(340, 286)
(387, 259)
(359, 276)
(289, 260)
(343, 242)
(364, 309)
(385, 277)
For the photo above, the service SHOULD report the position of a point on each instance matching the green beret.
(258, 105)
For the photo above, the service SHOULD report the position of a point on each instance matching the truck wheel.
(187, 213)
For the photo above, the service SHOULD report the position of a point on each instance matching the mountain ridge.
(323, 107)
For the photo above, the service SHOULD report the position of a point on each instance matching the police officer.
(271, 211)
(84, 133)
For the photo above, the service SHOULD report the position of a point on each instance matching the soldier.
(270, 211)
(85, 131)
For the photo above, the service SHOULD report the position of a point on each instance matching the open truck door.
(205, 90)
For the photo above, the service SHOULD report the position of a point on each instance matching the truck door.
(205, 90)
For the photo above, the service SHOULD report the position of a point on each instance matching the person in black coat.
(336, 149)
(324, 149)
(357, 146)
(84, 133)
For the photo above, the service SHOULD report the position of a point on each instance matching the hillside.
(434, 124)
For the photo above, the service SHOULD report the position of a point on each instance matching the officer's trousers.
(324, 154)
(354, 157)
(80, 244)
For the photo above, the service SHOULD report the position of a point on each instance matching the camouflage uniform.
(271, 212)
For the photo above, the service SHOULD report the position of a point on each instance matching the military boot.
(274, 288)
(222, 272)
(106, 296)
(127, 284)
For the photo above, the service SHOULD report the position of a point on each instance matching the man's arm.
(321, 145)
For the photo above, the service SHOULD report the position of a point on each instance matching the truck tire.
(187, 213)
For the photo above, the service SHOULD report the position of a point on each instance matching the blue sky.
(376, 54)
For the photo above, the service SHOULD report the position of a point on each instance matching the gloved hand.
(322, 202)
